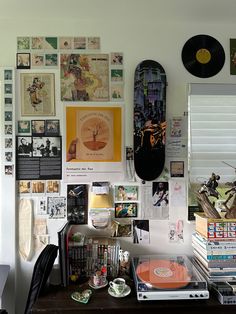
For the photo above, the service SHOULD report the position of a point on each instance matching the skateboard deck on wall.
(149, 119)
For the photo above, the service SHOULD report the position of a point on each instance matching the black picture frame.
(23, 60)
(38, 127)
(52, 127)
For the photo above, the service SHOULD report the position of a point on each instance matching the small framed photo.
(23, 60)
(38, 127)
(8, 115)
(177, 168)
(123, 210)
(52, 128)
(8, 88)
(24, 126)
(7, 75)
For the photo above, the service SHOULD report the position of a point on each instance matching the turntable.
(165, 277)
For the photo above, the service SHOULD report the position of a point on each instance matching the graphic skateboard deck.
(149, 119)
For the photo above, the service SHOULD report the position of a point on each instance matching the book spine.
(215, 245)
(214, 263)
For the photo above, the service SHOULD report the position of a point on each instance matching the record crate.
(215, 228)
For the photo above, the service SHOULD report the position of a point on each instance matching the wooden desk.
(57, 300)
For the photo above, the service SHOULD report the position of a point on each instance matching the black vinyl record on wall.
(203, 56)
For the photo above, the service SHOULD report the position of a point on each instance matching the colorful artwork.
(37, 94)
(123, 210)
(93, 134)
(85, 77)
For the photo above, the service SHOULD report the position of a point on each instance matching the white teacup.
(118, 285)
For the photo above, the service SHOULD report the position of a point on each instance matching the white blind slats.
(212, 125)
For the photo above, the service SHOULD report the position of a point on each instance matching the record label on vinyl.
(203, 56)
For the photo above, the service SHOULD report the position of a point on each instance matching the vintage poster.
(93, 142)
(84, 77)
(95, 135)
(37, 94)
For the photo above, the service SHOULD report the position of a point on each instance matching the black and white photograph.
(56, 207)
(8, 142)
(141, 234)
(160, 200)
(8, 156)
(24, 146)
(8, 129)
(7, 75)
(46, 146)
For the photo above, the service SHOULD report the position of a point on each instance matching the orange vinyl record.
(163, 274)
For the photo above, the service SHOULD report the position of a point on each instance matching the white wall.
(150, 29)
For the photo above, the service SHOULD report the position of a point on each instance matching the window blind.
(212, 130)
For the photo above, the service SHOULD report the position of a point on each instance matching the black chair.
(41, 272)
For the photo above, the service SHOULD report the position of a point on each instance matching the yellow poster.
(93, 134)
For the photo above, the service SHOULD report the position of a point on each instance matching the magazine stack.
(214, 248)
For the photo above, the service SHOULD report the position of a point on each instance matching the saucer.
(122, 295)
(97, 287)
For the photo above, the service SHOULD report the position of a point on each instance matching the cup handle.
(111, 284)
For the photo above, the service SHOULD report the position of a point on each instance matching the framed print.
(177, 168)
(23, 60)
(85, 77)
(98, 133)
(24, 126)
(37, 94)
(38, 127)
(123, 210)
(52, 127)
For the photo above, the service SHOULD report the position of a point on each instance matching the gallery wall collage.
(74, 187)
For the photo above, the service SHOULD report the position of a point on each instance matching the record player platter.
(167, 277)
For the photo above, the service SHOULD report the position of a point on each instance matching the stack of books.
(214, 247)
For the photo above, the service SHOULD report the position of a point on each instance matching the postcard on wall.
(141, 232)
(126, 193)
(56, 207)
(123, 210)
(85, 77)
(37, 94)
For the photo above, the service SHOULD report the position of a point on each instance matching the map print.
(85, 77)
